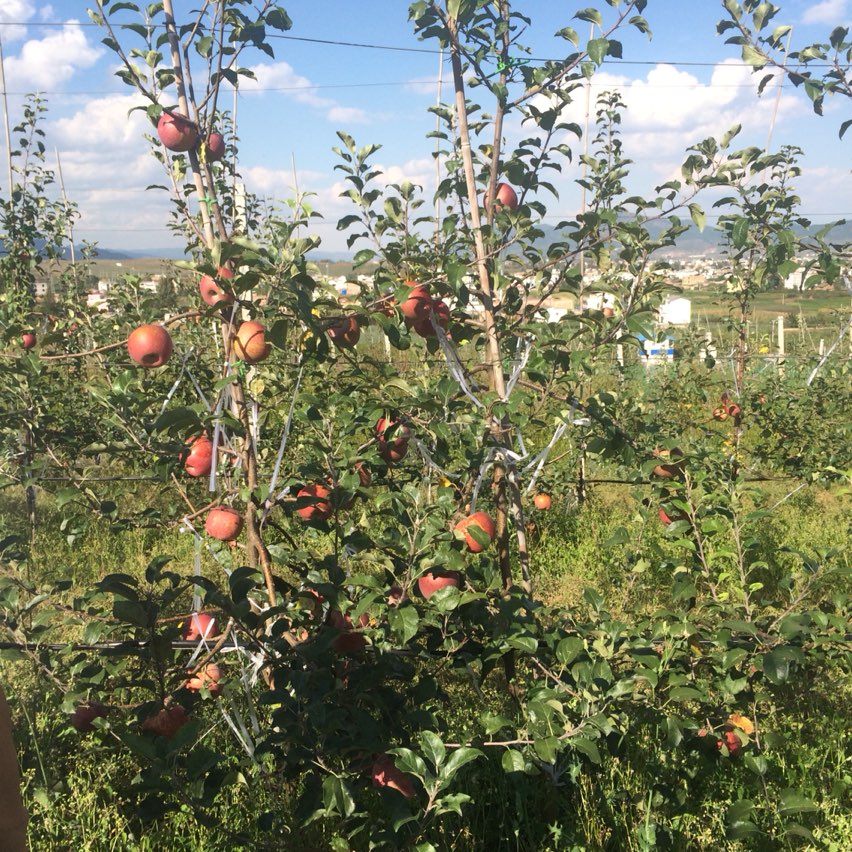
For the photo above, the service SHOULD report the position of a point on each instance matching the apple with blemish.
(150, 345)
(345, 332)
(167, 722)
(212, 293)
(28, 340)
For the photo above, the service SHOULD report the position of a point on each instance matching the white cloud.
(280, 76)
(427, 85)
(46, 63)
(827, 12)
(347, 115)
(17, 11)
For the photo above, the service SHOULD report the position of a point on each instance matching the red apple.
(416, 306)
(393, 438)
(437, 579)
(734, 410)
(215, 147)
(542, 501)
(150, 345)
(345, 333)
(250, 342)
(608, 312)
(199, 458)
(720, 414)
(671, 469)
(212, 293)
(385, 774)
(364, 475)
(425, 328)
(348, 642)
(505, 196)
(202, 625)
(207, 677)
(224, 523)
(167, 722)
(28, 340)
(85, 714)
(177, 132)
(319, 509)
(481, 521)
(732, 741)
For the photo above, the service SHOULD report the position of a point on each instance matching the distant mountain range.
(691, 242)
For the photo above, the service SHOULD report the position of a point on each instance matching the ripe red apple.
(416, 306)
(385, 774)
(215, 147)
(505, 196)
(437, 579)
(206, 678)
(250, 342)
(732, 741)
(542, 501)
(481, 521)
(28, 340)
(671, 469)
(85, 714)
(608, 312)
(734, 410)
(224, 523)
(393, 438)
(348, 642)
(167, 722)
(199, 458)
(425, 328)
(319, 509)
(150, 345)
(364, 475)
(720, 414)
(202, 625)
(212, 293)
(177, 132)
(345, 333)
(668, 515)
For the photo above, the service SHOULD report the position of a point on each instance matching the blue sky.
(287, 121)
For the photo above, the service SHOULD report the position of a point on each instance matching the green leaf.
(587, 747)
(432, 748)
(697, 216)
(597, 49)
(404, 622)
(546, 748)
(513, 761)
(336, 796)
(569, 649)
(793, 802)
(739, 233)
(457, 759)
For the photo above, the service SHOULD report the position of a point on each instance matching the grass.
(643, 796)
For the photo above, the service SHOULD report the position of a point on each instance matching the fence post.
(781, 344)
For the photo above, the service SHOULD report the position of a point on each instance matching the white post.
(619, 354)
(821, 347)
(780, 343)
